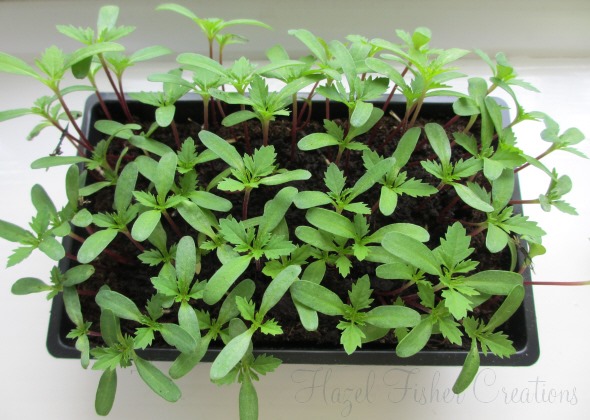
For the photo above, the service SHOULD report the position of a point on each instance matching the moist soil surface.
(436, 213)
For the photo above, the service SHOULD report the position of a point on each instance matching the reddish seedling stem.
(175, 134)
(118, 94)
(173, 225)
(245, 203)
(541, 156)
(557, 283)
(83, 140)
(137, 244)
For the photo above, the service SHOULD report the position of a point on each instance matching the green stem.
(417, 110)
(294, 119)
(211, 48)
(339, 155)
(206, 102)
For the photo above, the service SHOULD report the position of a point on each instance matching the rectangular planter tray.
(521, 328)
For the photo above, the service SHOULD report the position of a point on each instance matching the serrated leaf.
(351, 338)
(264, 364)
(450, 330)
(360, 293)
(498, 343)
(455, 246)
(457, 303)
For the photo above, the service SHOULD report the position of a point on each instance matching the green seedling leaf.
(166, 170)
(14, 65)
(412, 252)
(508, 307)
(51, 161)
(278, 287)
(52, 248)
(109, 327)
(28, 285)
(231, 355)
(222, 149)
(275, 210)
(493, 282)
(469, 370)
(178, 337)
(332, 222)
(469, 196)
(14, 233)
(125, 186)
(105, 393)
(196, 218)
(95, 244)
(416, 339)
(317, 141)
(248, 400)
(72, 305)
(317, 298)
(156, 380)
(361, 114)
(145, 224)
(186, 261)
(439, 141)
(78, 274)
(224, 277)
(393, 317)
(120, 305)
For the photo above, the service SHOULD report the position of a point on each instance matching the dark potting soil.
(132, 278)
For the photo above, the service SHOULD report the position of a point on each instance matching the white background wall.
(534, 28)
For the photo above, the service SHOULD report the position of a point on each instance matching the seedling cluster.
(324, 239)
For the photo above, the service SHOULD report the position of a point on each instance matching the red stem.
(556, 283)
